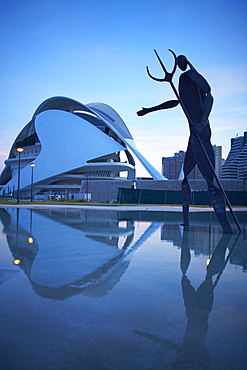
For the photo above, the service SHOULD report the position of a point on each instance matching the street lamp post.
(32, 165)
(19, 150)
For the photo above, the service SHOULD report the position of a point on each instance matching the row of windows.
(101, 173)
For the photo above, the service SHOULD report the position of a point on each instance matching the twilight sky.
(97, 51)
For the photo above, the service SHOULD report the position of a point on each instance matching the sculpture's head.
(182, 62)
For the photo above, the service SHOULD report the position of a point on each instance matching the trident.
(168, 77)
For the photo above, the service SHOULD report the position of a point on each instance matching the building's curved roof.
(61, 103)
(96, 130)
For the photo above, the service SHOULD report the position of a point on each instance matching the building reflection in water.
(198, 303)
(22, 245)
(91, 264)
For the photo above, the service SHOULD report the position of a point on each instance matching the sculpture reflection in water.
(192, 354)
(99, 254)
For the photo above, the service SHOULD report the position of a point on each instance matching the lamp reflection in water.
(19, 150)
(17, 261)
(32, 165)
(209, 243)
(30, 239)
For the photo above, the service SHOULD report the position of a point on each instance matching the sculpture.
(196, 100)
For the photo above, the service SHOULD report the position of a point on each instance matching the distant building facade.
(218, 160)
(172, 166)
(235, 166)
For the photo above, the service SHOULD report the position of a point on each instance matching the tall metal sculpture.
(194, 96)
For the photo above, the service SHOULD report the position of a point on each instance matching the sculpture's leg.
(189, 164)
(215, 194)
(186, 197)
(218, 202)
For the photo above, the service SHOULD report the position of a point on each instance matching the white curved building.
(69, 142)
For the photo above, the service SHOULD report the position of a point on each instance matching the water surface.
(121, 290)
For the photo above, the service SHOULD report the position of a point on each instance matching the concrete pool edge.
(153, 208)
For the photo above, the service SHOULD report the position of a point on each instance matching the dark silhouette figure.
(195, 94)
(196, 101)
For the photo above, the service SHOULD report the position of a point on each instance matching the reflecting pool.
(121, 290)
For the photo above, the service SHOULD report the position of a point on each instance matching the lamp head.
(20, 150)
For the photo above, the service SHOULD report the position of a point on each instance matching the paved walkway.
(152, 208)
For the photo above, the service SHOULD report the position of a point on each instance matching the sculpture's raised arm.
(165, 105)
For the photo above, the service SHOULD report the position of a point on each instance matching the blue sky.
(98, 51)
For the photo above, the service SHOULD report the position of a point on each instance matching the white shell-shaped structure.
(69, 142)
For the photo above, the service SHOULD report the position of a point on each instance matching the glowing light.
(16, 261)
(30, 240)
(32, 164)
(208, 261)
(20, 150)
